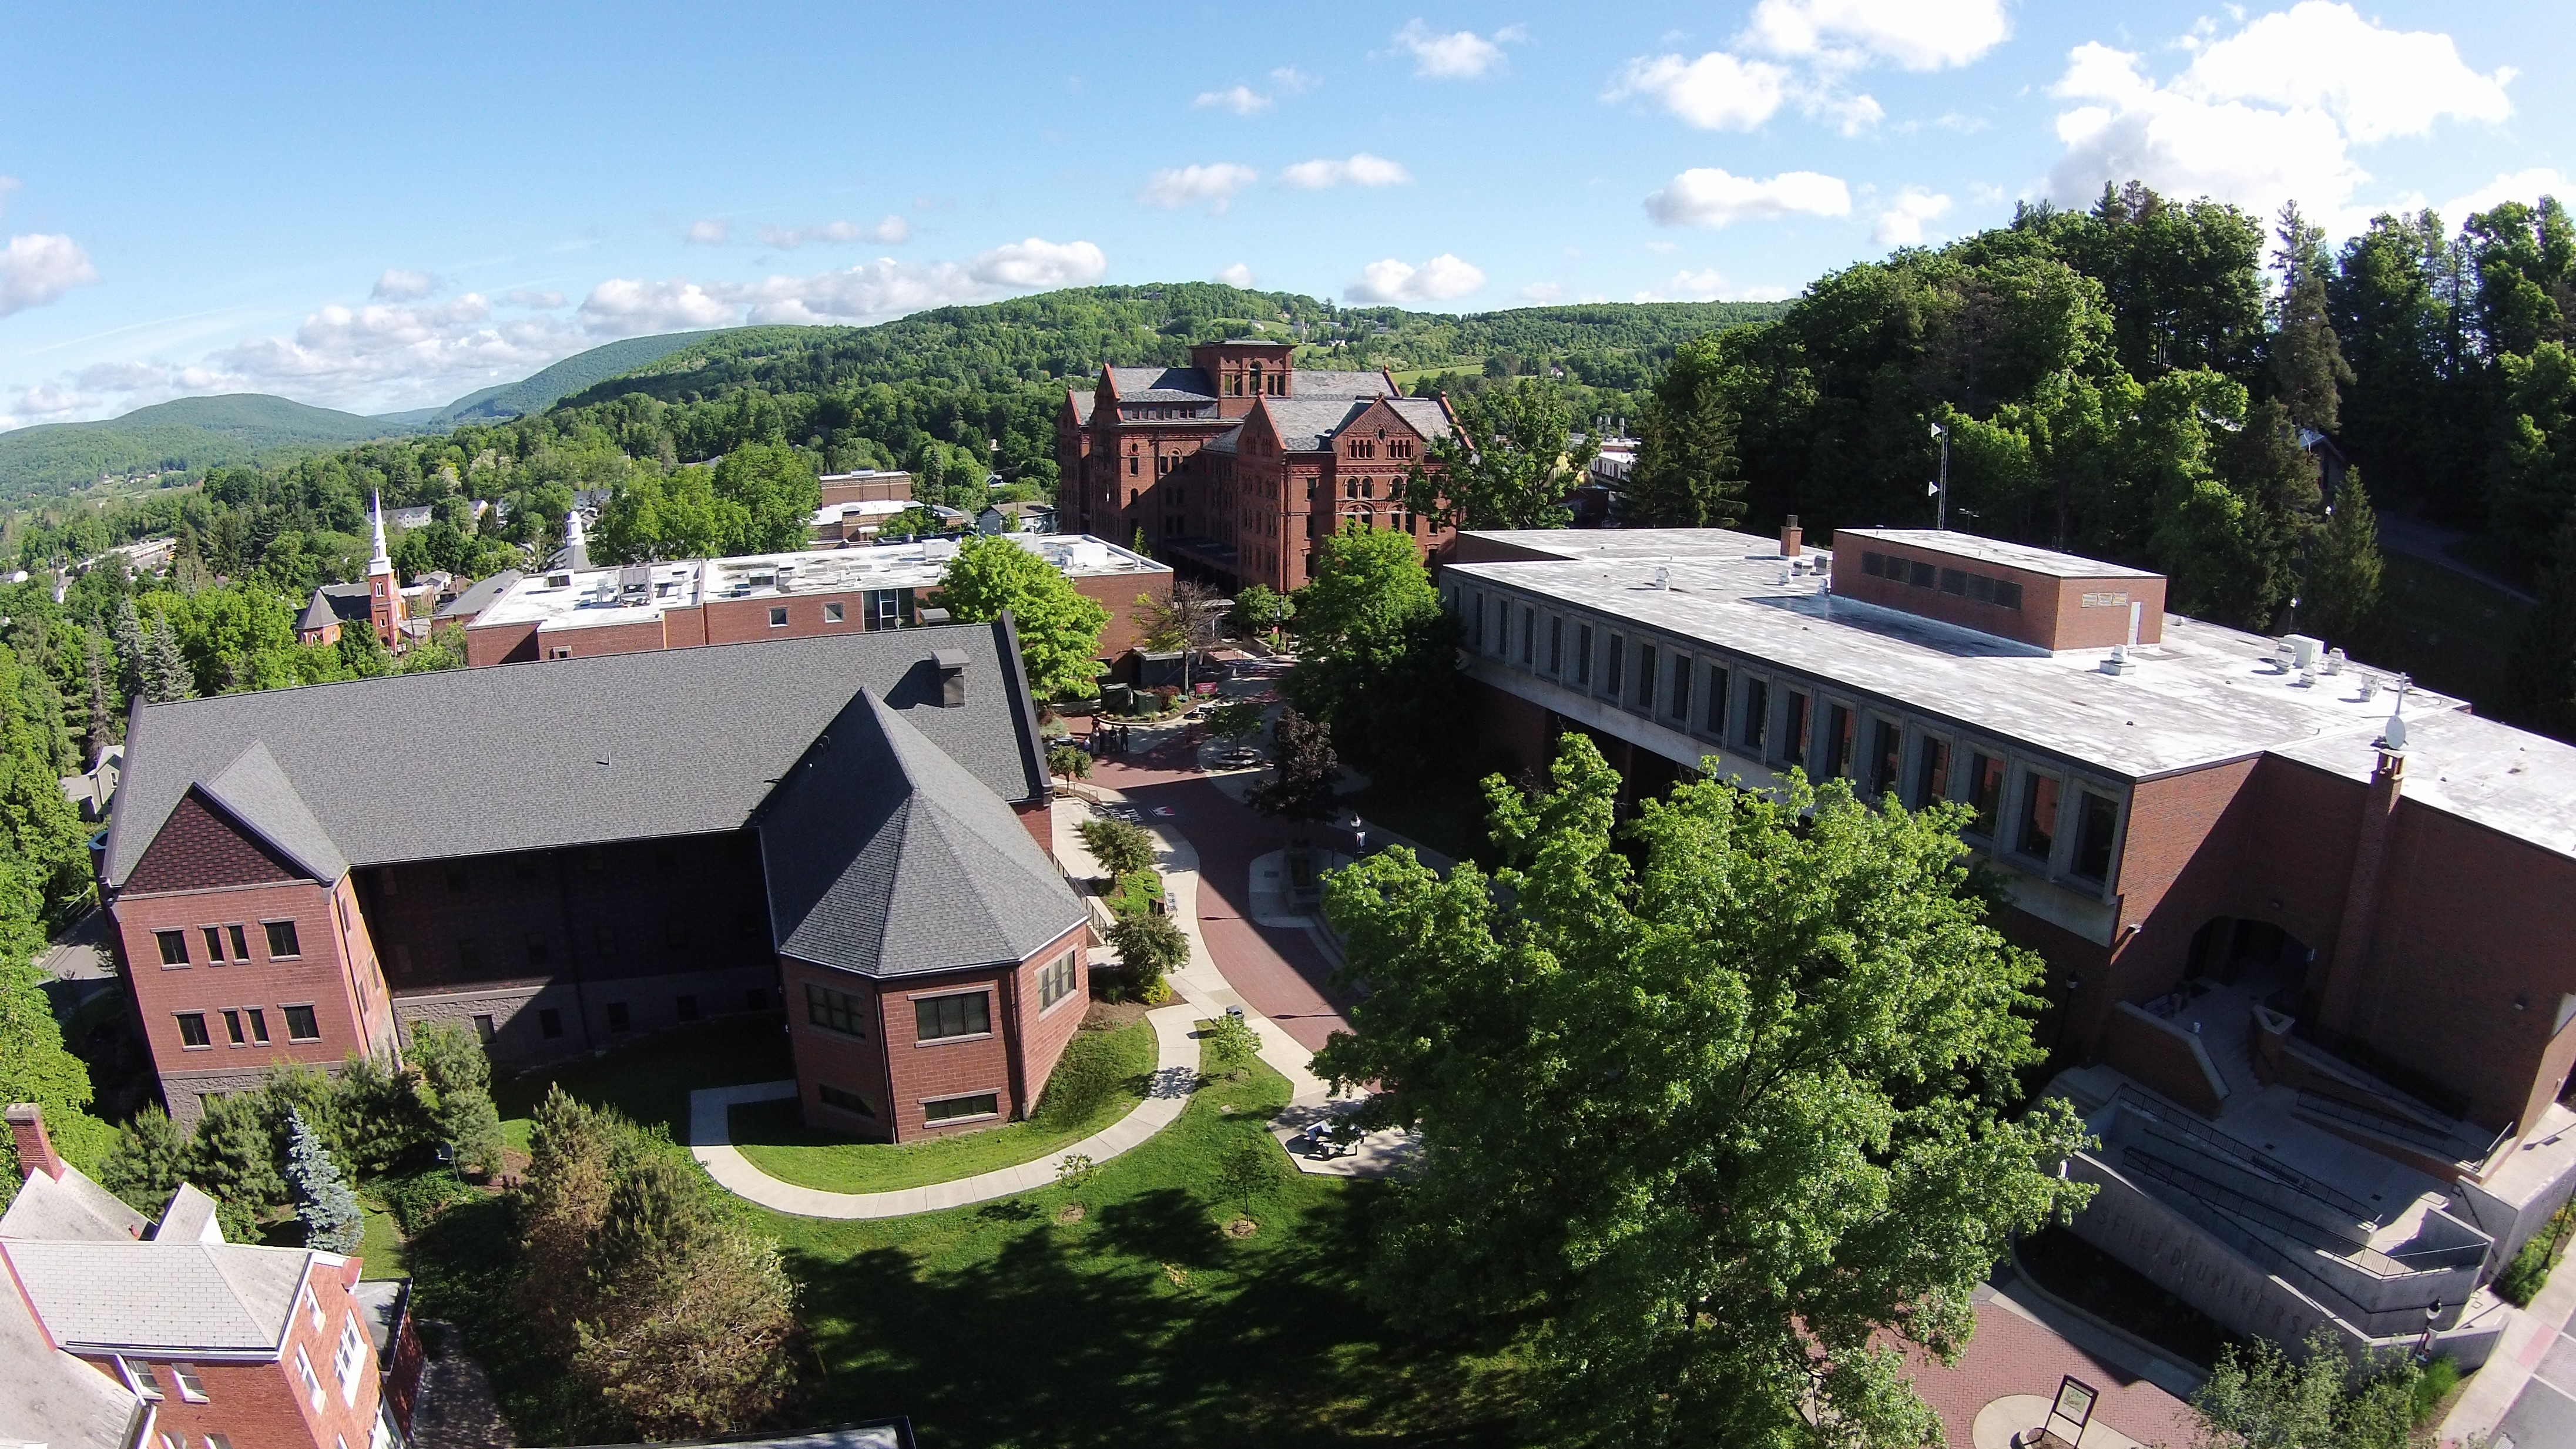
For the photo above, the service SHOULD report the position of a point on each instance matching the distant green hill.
(186, 435)
(538, 391)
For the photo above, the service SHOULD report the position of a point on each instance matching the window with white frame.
(349, 1361)
(191, 1387)
(312, 1382)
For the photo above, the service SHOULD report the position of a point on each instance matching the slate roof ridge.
(161, 1295)
(71, 1208)
(254, 790)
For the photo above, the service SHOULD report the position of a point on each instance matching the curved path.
(1176, 1074)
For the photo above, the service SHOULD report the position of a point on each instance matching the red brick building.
(568, 857)
(120, 1333)
(1240, 462)
(581, 612)
(2295, 951)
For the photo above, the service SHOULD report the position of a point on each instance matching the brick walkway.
(2013, 1353)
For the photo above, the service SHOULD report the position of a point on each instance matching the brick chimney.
(35, 1149)
(1791, 538)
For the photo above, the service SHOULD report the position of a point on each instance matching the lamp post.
(1941, 510)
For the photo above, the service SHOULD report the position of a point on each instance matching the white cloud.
(1438, 280)
(1239, 98)
(1709, 285)
(1915, 34)
(1459, 54)
(1543, 293)
(1716, 92)
(401, 284)
(2127, 127)
(523, 297)
(119, 376)
(339, 353)
(1294, 82)
(1362, 169)
(1708, 196)
(1901, 224)
(1238, 275)
(2378, 83)
(892, 231)
(869, 292)
(38, 267)
(1038, 263)
(1215, 183)
(2526, 187)
(708, 232)
(628, 307)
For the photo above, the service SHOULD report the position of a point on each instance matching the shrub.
(2434, 1385)
(332, 1220)
(1231, 1040)
(1072, 762)
(417, 1199)
(1134, 894)
(1120, 846)
(1150, 947)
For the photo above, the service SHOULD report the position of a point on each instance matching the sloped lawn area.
(1103, 1076)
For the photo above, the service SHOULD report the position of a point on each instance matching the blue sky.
(371, 208)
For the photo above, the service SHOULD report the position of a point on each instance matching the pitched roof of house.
(481, 592)
(559, 752)
(255, 791)
(1081, 402)
(1321, 382)
(152, 1296)
(334, 604)
(1162, 384)
(53, 1398)
(1306, 425)
(69, 1207)
(886, 858)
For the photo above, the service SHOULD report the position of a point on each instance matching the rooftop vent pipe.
(952, 676)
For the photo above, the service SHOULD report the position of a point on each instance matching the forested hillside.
(542, 389)
(187, 435)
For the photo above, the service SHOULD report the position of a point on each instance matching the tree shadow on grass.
(1167, 1225)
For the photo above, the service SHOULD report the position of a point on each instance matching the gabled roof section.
(253, 790)
(1318, 383)
(1161, 384)
(154, 1296)
(567, 752)
(335, 604)
(1081, 402)
(72, 1208)
(190, 1218)
(472, 602)
(885, 858)
(49, 1397)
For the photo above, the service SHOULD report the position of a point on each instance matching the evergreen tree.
(34, 1066)
(332, 1219)
(458, 1077)
(232, 1157)
(2307, 358)
(166, 675)
(43, 845)
(2340, 598)
(1686, 474)
(106, 724)
(148, 1162)
(2544, 673)
(127, 632)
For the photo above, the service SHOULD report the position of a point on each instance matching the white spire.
(381, 562)
(576, 542)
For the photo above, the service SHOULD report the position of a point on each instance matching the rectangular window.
(1618, 666)
(192, 1029)
(778, 616)
(1646, 678)
(174, 947)
(2095, 818)
(301, 1024)
(1793, 728)
(1954, 581)
(538, 948)
(191, 1387)
(1874, 565)
(1985, 793)
(834, 611)
(1838, 742)
(1757, 715)
(604, 940)
(1715, 727)
(1886, 739)
(1582, 675)
(1677, 699)
(469, 956)
(258, 1026)
(1555, 644)
(844, 1100)
(1981, 588)
(550, 1023)
(936, 1018)
(836, 1010)
(1920, 574)
(685, 1007)
(1056, 982)
(1529, 631)
(483, 1028)
(2038, 815)
(281, 940)
(2007, 594)
(233, 1028)
(960, 1109)
(140, 1373)
(241, 943)
(1480, 623)
(617, 1019)
(312, 1384)
(675, 934)
(215, 945)
(1932, 773)
(350, 1360)
(218, 1441)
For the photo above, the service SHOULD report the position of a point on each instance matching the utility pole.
(1941, 510)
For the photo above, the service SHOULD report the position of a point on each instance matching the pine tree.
(148, 1162)
(332, 1220)
(2544, 673)
(1686, 474)
(127, 634)
(106, 721)
(2340, 598)
(2307, 357)
(166, 674)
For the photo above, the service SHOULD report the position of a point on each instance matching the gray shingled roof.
(476, 598)
(71, 1207)
(887, 859)
(49, 1397)
(335, 604)
(253, 790)
(155, 1296)
(1162, 384)
(566, 752)
(1082, 403)
(1320, 383)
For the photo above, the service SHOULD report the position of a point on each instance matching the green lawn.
(650, 1080)
(2449, 632)
(382, 1252)
(1134, 894)
(1001, 1324)
(778, 1143)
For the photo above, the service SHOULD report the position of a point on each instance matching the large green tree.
(1377, 654)
(2307, 364)
(2339, 599)
(34, 1066)
(1059, 627)
(1721, 1104)
(1686, 474)
(1514, 465)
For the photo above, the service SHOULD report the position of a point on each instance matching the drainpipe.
(2341, 997)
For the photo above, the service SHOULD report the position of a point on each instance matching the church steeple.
(384, 591)
(576, 542)
(382, 562)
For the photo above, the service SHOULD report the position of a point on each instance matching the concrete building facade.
(841, 827)
(2306, 952)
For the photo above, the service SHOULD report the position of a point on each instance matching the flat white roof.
(591, 598)
(1996, 551)
(2206, 694)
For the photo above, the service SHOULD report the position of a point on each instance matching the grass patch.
(2449, 632)
(1103, 1075)
(1134, 894)
(1142, 1319)
(382, 1251)
(650, 1080)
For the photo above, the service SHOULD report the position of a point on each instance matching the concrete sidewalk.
(1176, 1076)
(2512, 1372)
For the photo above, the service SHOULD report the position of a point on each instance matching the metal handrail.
(2222, 1144)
